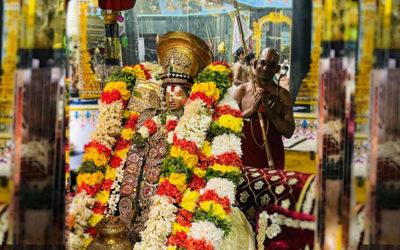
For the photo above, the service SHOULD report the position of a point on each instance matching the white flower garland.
(80, 207)
(229, 100)
(208, 231)
(115, 187)
(226, 143)
(223, 187)
(108, 123)
(194, 123)
(161, 216)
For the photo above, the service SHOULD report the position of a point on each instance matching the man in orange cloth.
(275, 104)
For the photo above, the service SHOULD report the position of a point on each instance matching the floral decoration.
(104, 158)
(200, 174)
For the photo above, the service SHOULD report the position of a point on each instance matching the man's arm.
(237, 71)
(284, 122)
(247, 102)
(238, 95)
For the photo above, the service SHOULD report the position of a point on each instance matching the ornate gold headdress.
(146, 95)
(182, 55)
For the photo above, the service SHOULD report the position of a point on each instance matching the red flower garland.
(169, 190)
(122, 144)
(201, 95)
(186, 145)
(226, 110)
(183, 217)
(151, 126)
(108, 97)
(106, 185)
(197, 183)
(211, 195)
(99, 208)
(91, 231)
(171, 124)
(100, 148)
(221, 63)
(178, 240)
(132, 121)
(227, 159)
(90, 190)
(115, 161)
(146, 71)
(192, 244)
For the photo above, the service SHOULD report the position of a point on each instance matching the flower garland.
(198, 178)
(101, 166)
(164, 122)
(118, 160)
(128, 138)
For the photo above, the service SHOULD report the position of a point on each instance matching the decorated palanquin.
(287, 195)
(281, 228)
(261, 187)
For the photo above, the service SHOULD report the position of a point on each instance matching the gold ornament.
(182, 55)
(145, 96)
(111, 235)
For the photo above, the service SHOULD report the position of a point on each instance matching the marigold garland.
(95, 177)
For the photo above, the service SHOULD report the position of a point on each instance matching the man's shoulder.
(246, 86)
(242, 89)
(284, 94)
(237, 64)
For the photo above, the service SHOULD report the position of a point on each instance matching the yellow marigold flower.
(110, 173)
(190, 199)
(179, 180)
(161, 180)
(96, 218)
(136, 71)
(97, 178)
(127, 133)
(120, 86)
(229, 121)
(171, 248)
(206, 150)
(66, 176)
(219, 68)
(82, 178)
(189, 159)
(177, 228)
(103, 196)
(226, 169)
(87, 242)
(199, 172)
(122, 153)
(208, 88)
(98, 159)
(215, 207)
(67, 157)
(128, 113)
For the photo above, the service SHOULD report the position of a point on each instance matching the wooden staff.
(253, 87)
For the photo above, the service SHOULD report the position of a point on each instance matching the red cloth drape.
(116, 4)
(255, 156)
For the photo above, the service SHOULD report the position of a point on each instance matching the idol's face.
(175, 97)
